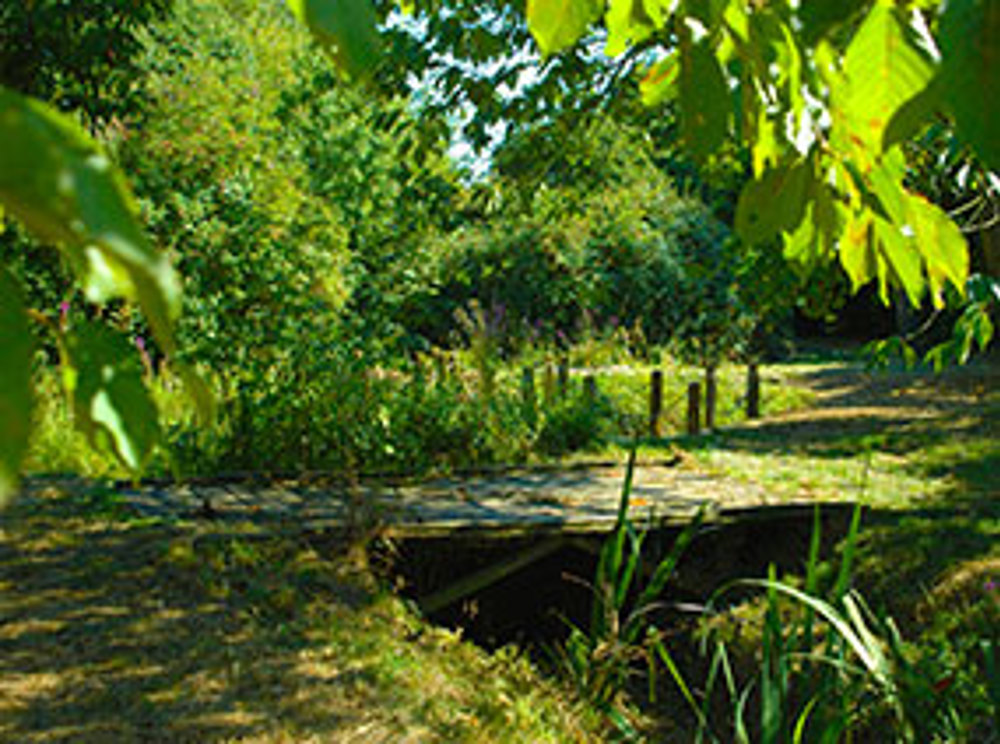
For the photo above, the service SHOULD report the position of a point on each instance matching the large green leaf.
(59, 183)
(773, 203)
(559, 24)
(857, 256)
(882, 70)
(942, 244)
(627, 23)
(704, 99)
(815, 239)
(347, 28)
(15, 384)
(110, 402)
(970, 73)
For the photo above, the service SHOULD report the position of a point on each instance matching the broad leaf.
(942, 244)
(704, 98)
(347, 28)
(59, 183)
(912, 116)
(110, 402)
(15, 384)
(660, 83)
(774, 203)
(559, 24)
(882, 70)
(627, 23)
(970, 73)
(856, 254)
(900, 261)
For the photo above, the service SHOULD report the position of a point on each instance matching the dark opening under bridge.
(461, 535)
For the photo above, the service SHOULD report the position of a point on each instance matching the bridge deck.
(574, 500)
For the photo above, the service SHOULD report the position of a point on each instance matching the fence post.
(590, 390)
(442, 367)
(753, 391)
(563, 376)
(655, 402)
(549, 384)
(710, 397)
(528, 398)
(693, 412)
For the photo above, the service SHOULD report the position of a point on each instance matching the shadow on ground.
(117, 632)
(939, 427)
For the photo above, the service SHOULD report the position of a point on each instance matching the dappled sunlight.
(174, 632)
(893, 439)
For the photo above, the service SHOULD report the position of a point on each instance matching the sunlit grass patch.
(115, 629)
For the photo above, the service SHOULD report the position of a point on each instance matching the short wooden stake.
(753, 392)
(442, 367)
(563, 378)
(528, 399)
(590, 390)
(549, 384)
(655, 402)
(710, 397)
(693, 412)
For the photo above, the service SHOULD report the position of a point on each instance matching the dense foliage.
(258, 168)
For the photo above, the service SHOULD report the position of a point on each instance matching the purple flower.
(140, 343)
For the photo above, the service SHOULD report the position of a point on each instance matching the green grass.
(900, 441)
(114, 629)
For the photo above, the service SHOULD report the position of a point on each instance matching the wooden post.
(590, 390)
(710, 397)
(753, 391)
(655, 402)
(442, 367)
(563, 377)
(549, 384)
(419, 377)
(528, 399)
(693, 412)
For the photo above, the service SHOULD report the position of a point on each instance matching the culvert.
(519, 586)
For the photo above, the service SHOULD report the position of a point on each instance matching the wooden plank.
(488, 576)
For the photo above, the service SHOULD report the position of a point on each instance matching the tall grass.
(623, 636)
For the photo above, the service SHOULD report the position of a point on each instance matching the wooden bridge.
(514, 501)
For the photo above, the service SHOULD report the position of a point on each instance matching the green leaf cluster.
(821, 96)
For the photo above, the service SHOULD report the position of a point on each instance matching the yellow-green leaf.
(903, 259)
(773, 203)
(559, 24)
(942, 244)
(856, 254)
(882, 70)
(660, 83)
(15, 384)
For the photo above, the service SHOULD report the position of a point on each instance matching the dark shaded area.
(531, 607)
(141, 633)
